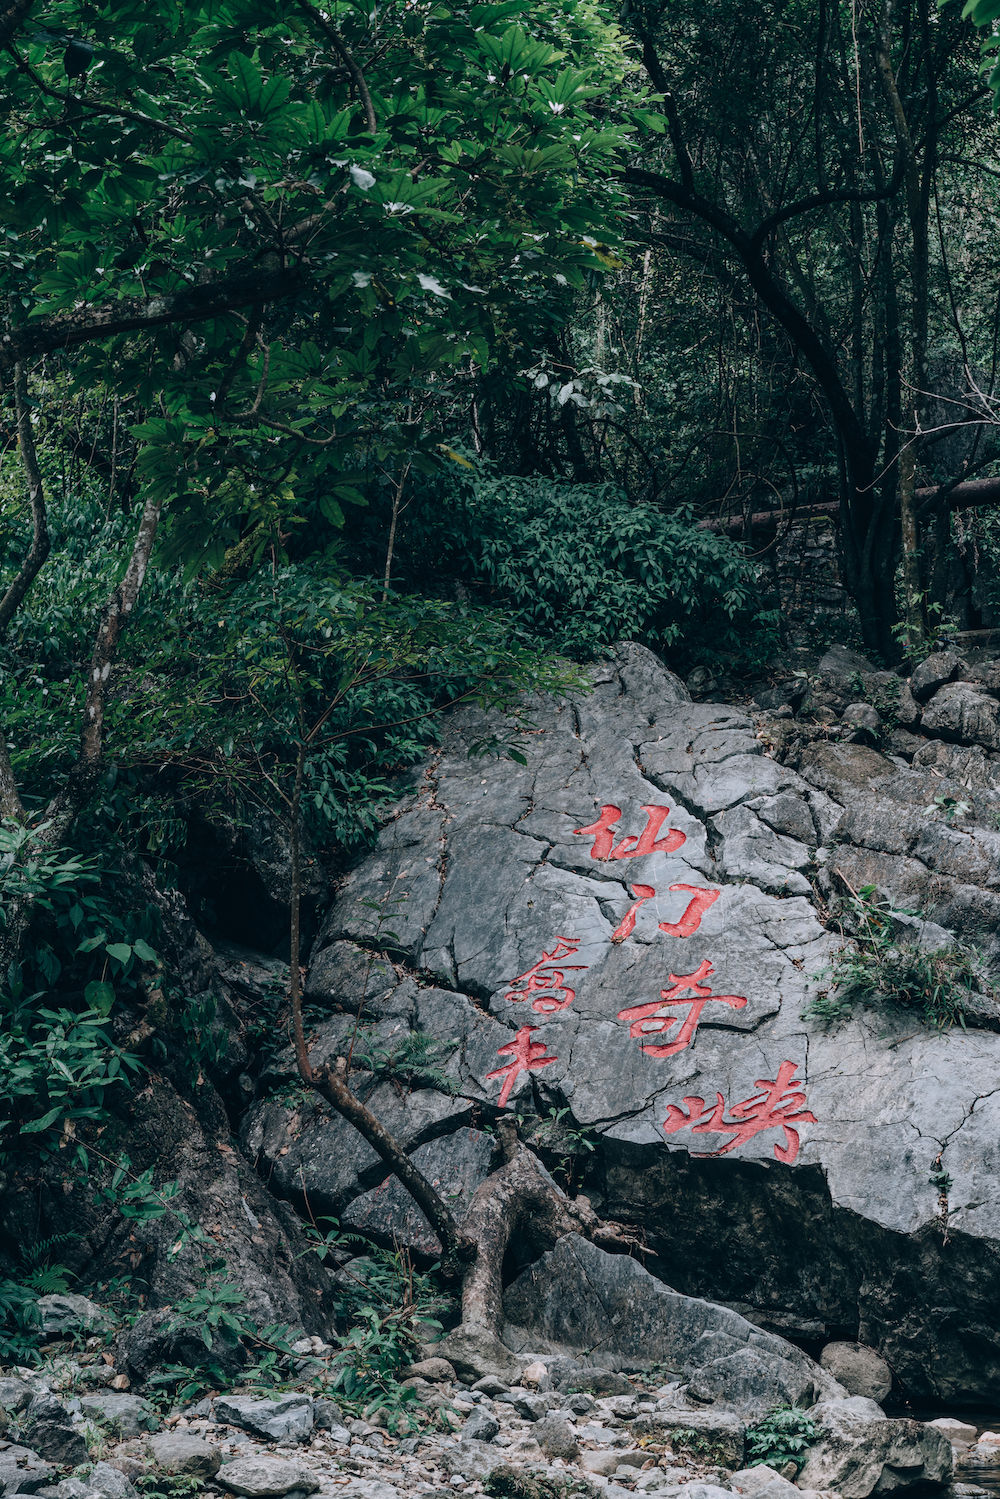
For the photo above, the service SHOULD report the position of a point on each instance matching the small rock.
(437, 1370)
(490, 1385)
(69, 1313)
(536, 1377)
(859, 1369)
(179, 1452)
(480, 1427)
(287, 1416)
(108, 1481)
(327, 1415)
(15, 1394)
(580, 1404)
(861, 720)
(556, 1438)
(956, 1431)
(262, 1477)
(530, 1404)
(603, 1464)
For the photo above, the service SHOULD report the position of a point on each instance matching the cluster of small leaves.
(783, 1436)
(883, 966)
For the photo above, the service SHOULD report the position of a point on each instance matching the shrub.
(883, 965)
(581, 567)
(783, 1436)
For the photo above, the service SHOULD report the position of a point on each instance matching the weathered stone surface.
(456, 1165)
(476, 1353)
(861, 1452)
(721, 1434)
(50, 1429)
(827, 1221)
(933, 672)
(436, 1370)
(15, 1394)
(23, 1471)
(123, 1415)
(183, 1452)
(963, 712)
(556, 1437)
(578, 1296)
(66, 1312)
(859, 1369)
(286, 1416)
(263, 1477)
(106, 1480)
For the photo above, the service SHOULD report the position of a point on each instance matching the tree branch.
(193, 304)
(337, 43)
(332, 1084)
(11, 18)
(40, 544)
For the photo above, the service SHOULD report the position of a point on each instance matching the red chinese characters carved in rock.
(526, 1056)
(635, 846)
(655, 1017)
(546, 978)
(701, 900)
(781, 1105)
(626, 926)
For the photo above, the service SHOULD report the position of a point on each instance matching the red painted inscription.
(781, 1105)
(526, 1056)
(696, 907)
(653, 1018)
(546, 978)
(626, 926)
(635, 846)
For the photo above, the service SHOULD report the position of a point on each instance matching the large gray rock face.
(579, 1297)
(626, 928)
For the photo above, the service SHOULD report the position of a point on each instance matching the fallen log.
(968, 495)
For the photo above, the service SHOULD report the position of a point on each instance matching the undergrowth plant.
(783, 1436)
(882, 965)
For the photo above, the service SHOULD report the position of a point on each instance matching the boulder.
(276, 1420)
(122, 1415)
(933, 672)
(859, 1369)
(475, 1353)
(580, 1297)
(51, 1430)
(15, 1394)
(263, 1477)
(860, 1451)
(183, 1452)
(23, 1471)
(65, 1312)
(964, 713)
(109, 1482)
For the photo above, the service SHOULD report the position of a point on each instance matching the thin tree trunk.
(40, 544)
